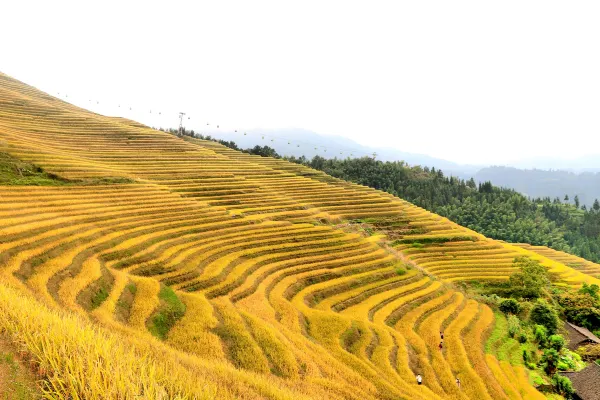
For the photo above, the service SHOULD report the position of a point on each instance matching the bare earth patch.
(16, 381)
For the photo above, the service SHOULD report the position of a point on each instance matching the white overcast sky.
(468, 81)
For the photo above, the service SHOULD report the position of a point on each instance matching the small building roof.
(586, 382)
(578, 334)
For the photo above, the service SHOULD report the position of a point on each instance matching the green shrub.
(562, 366)
(544, 314)
(537, 379)
(569, 361)
(593, 290)
(556, 342)
(491, 300)
(589, 352)
(170, 310)
(533, 356)
(510, 306)
(563, 386)
(514, 326)
(132, 288)
(525, 310)
(541, 334)
(99, 297)
(522, 338)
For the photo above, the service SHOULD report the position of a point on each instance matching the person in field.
(441, 335)
(458, 382)
(419, 379)
(441, 346)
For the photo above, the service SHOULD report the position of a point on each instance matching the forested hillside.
(490, 210)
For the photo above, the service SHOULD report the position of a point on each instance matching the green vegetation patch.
(171, 309)
(105, 180)
(498, 333)
(99, 297)
(352, 337)
(15, 172)
(434, 239)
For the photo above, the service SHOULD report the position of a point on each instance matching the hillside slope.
(258, 278)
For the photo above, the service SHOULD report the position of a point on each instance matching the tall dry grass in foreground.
(76, 359)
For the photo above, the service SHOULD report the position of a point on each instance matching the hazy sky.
(468, 81)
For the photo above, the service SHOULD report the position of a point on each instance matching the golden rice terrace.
(157, 267)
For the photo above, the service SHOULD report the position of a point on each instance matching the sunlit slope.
(561, 257)
(284, 295)
(437, 245)
(77, 144)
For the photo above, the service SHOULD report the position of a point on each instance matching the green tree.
(576, 200)
(263, 151)
(544, 314)
(550, 360)
(531, 279)
(486, 187)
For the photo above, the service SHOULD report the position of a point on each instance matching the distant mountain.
(542, 183)
(301, 142)
(590, 163)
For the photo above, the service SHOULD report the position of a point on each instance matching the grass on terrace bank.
(15, 172)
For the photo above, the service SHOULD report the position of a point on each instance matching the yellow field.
(282, 297)
(567, 259)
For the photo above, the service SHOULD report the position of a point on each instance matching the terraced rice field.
(254, 275)
(570, 260)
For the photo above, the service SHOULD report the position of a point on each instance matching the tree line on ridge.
(493, 211)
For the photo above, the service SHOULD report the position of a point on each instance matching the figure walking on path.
(419, 379)
(441, 344)
(458, 382)
(441, 335)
